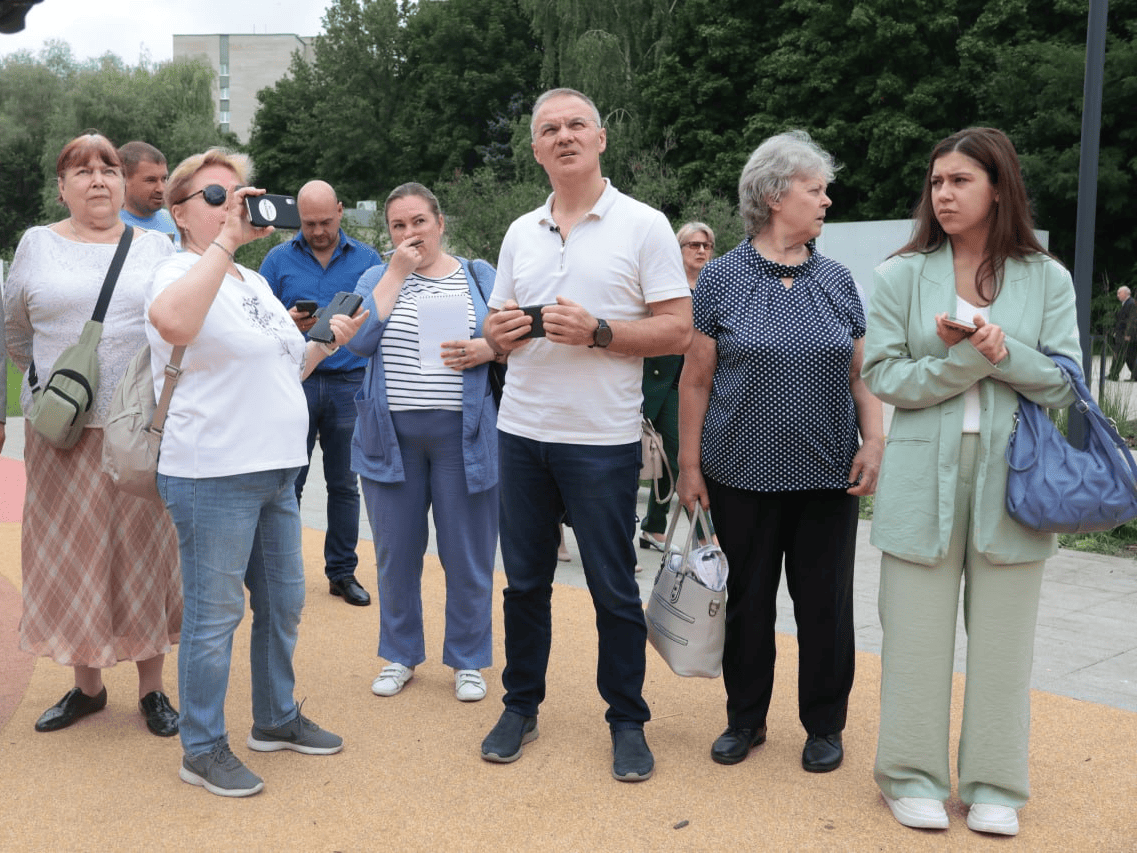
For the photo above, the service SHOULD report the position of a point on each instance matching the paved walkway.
(1086, 645)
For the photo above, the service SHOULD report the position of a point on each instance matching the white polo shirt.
(619, 258)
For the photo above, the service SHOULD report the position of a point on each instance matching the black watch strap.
(602, 335)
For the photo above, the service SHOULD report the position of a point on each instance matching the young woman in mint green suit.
(939, 515)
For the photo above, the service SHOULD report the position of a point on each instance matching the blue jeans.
(430, 443)
(331, 416)
(597, 485)
(234, 531)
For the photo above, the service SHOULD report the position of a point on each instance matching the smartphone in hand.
(537, 330)
(306, 306)
(960, 325)
(277, 210)
(342, 303)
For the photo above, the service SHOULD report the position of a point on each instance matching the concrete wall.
(255, 62)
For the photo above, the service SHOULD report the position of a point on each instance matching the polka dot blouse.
(781, 415)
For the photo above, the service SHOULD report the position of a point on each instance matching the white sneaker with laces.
(1000, 820)
(469, 686)
(391, 679)
(918, 812)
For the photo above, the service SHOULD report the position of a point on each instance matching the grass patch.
(14, 378)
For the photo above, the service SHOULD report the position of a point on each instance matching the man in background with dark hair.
(145, 171)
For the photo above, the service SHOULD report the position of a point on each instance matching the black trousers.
(815, 531)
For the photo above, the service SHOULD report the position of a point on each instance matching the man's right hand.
(504, 327)
(302, 319)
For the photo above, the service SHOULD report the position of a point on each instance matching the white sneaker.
(391, 679)
(469, 686)
(918, 812)
(985, 817)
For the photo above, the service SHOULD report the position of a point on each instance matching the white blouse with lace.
(51, 292)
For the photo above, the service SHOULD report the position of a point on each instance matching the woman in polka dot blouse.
(771, 402)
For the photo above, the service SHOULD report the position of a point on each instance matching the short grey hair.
(690, 229)
(556, 93)
(771, 170)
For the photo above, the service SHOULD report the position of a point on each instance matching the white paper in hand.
(441, 317)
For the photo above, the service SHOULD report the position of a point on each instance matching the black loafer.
(161, 716)
(503, 744)
(733, 745)
(74, 704)
(822, 753)
(350, 590)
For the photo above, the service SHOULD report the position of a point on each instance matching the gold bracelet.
(232, 257)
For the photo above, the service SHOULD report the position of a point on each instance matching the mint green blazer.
(909, 367)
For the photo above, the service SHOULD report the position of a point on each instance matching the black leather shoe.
(632, 761)
(503, 744)
(733, 745)
(74, 704)
(351, 591)
(161, 716)
(822, 753)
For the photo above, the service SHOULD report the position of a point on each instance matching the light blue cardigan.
(375, 446)
(907, 365)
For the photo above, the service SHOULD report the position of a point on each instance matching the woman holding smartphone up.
(939, 515)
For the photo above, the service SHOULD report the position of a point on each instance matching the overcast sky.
(124, 27)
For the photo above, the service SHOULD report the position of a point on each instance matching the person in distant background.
(144, 167)
(1124, 329)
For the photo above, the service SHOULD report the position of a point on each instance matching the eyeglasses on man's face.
(214, 194)
(699, 246)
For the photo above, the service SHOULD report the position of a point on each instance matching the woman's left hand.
(461, 355)
(866, 468)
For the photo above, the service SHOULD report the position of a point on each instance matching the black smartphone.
(537, 330)
(277, 210)
(306, 306)
(342, 303)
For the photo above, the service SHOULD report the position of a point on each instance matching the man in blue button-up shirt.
(314, 265)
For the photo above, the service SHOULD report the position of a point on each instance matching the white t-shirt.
(239, 406)
(621, 256)
(966, 311)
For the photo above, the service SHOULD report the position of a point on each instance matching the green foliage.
(46, 102)
(479, 208)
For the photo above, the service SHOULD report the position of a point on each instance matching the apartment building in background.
(245, 64)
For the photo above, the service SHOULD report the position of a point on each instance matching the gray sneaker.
(300, 735)
(220, 772)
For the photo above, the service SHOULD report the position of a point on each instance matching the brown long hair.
(1012, 226)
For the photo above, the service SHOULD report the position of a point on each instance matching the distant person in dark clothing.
(1124, 348)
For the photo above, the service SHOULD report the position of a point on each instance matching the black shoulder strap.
(112, 274)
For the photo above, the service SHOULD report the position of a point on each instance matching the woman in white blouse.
(234, 442)
(100, 567)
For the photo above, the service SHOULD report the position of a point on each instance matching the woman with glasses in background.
(661, 391)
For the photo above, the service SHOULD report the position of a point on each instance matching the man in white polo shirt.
(609, 273)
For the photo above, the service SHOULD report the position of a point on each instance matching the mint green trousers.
(918, 612)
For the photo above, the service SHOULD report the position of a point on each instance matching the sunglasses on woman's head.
(214, 195)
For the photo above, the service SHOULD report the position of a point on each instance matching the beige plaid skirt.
(100, 567)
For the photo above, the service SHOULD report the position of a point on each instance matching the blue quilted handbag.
(1055, 487)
